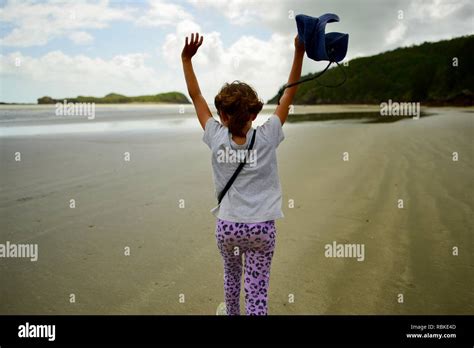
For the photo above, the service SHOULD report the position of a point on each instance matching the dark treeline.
(438, 73)
(113, 98)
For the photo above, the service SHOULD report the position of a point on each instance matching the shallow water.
(38, 120)
(16, 120)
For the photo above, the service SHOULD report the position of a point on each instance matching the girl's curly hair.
(238, 101)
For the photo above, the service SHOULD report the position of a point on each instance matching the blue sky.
(68, 48)
(109, 42)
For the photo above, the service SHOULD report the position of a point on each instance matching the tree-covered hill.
(114, 98)
(440, 73)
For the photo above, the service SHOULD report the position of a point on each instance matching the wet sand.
(172, 250)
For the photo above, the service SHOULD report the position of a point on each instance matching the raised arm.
(200, 104)
(295, 74)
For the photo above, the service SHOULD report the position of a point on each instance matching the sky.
(69, 48)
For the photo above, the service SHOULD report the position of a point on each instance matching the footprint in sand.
(24, 199)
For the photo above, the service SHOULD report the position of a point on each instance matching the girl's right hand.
(191, 47)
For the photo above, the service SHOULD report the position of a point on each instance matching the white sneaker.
(221, 309)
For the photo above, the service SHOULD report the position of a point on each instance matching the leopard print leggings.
(256, 241)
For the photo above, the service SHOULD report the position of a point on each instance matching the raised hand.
(200, 105)
(287, 98)
(299, 46)
(191, 47)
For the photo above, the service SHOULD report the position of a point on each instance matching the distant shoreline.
(101, 104)
(299, 109)
(115, 98)
(98, 103)
(351, 105)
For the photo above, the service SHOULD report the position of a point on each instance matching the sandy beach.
(136, 205)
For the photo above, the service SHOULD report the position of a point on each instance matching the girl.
(247, 211)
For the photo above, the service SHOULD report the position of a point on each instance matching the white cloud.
(373, 26)
(265, 64)
(262, 61)
(35, 24)
(435, 9)
(395, 35)
(431, 20)
(244, 11)
(161, 13)
(60, 75)
(174, 42)
(81, 37)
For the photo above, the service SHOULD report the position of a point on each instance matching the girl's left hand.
(191, 47)
(299, 46)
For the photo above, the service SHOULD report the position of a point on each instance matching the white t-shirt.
(255, 195)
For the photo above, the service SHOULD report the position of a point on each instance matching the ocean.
(32, 120)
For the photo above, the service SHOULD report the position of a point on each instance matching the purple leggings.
(257, 242)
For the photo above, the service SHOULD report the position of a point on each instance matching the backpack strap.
(237, 171)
